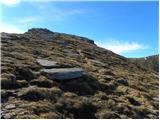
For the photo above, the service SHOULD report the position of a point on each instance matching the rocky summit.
(47, 74)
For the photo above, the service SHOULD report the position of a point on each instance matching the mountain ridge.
(62, 76)
(149, 62)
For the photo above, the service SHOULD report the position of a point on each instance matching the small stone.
(7, 116)
(10, 106)
(108, 77)
(2, 112)
(155, 99)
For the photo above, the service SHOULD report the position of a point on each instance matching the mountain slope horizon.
(47, 74)
(79, 37)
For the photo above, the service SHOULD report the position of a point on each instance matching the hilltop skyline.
(126, 28)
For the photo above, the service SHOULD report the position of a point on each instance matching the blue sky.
(127, 28)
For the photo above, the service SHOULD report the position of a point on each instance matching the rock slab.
(63, 73)
(47, 63)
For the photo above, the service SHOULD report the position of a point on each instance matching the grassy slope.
(150, 62)
(131, 92)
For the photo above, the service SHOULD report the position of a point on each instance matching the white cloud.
(14, 2)
(121, 47)
(9, 2)
(61, 14)
(75, 12)
(55, 14)
(10, 28)
(27, 20)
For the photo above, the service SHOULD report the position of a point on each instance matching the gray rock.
(63, 73)
(155, 99)
(2, 111)
(78, 37)
(40, 33)
(108, 77)
(7, 116)
(5, 36)
(10, 106)
(47, 63)
(156, 75)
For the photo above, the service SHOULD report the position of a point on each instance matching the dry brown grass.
(91, 96)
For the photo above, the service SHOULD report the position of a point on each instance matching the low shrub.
(24, 74)
(50, 115)
(42, 83)
(22, 83)
(35, 93)
(8, 81)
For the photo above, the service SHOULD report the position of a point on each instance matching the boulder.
(47, 63)
(63, 73)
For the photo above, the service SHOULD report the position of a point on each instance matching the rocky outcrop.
(63, 73)
(58, 73)
(45, 34)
